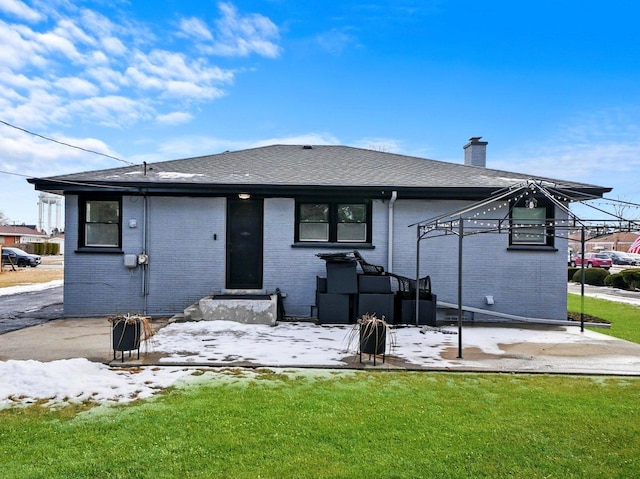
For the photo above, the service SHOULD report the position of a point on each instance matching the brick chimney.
(475, 152)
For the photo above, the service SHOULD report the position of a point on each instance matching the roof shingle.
(300, 166)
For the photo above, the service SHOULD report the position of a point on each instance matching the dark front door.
(244, 243)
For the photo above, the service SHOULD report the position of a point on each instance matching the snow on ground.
(28, 288)
(307, 345)
(287, 344)
(291, 344)
(227, 341)
(77, 380)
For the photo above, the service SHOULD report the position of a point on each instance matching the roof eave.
(374, 191)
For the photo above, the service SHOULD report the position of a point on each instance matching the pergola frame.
(465, 222)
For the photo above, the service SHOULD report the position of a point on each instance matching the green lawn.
(624, 318)
(347, 425)
(351, 425)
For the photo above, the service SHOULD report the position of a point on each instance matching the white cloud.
(239, 35)
(68, 29)
(20, 10)
(77, 86)
(114, 110)
(18, 51)
(34, 156)
(37, 109)
(184, 89)
(175, 76)
(21, 82)
(53, 43)
(174, 118)
(195, 28)
(114, 46)
(97, 23)
(86, 61)
(108, 79)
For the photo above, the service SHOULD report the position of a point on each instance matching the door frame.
(229, 261)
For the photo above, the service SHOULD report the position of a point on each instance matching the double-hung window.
(100, 222)
(532, 224)
(333, 222)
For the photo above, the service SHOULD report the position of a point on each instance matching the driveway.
(30, 308)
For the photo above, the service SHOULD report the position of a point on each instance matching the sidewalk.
(611, 294)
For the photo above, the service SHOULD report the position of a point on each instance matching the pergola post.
(460, 237)
(582, 280)
(418, 276)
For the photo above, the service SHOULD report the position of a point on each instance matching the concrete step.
(241, 308)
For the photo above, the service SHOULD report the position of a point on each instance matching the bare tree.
(621, 207)
(3, 218)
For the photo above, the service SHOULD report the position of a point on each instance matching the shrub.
(616, 280)
(572, 272)
(592, 276)
(52, 248)
(38, 248)
(631, 278)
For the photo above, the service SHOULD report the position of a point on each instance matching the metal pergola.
(494, 215)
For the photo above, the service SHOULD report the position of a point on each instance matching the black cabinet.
(335, 308)
(374, 284)
(406, 309)
(379, 304)
(342, 277)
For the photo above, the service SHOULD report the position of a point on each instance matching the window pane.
(352, 213)
(354, 232)
(314, 212)
(102, 212)
(100, 234)
(533, 234)
(314, 232)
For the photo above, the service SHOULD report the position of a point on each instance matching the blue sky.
(553, 86)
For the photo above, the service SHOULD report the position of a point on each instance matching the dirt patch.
(534, 350)
(471, 353)
(576, 350)
(27, 275)
(587, 318)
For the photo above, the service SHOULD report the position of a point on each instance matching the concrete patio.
(485, 347)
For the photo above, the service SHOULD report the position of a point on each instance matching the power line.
(68, 182)
(66, 144)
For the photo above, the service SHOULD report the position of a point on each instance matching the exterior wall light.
(244, 196)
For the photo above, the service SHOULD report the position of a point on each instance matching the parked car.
(593, 260)
(635, 256)
(618, 257)
(19, 258)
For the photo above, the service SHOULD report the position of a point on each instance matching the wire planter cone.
(128, 332)
(372, 334)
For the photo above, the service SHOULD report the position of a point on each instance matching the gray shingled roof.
(282, 166)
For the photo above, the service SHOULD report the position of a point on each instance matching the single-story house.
(155, 238)
(14, 234)
(616, 241)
